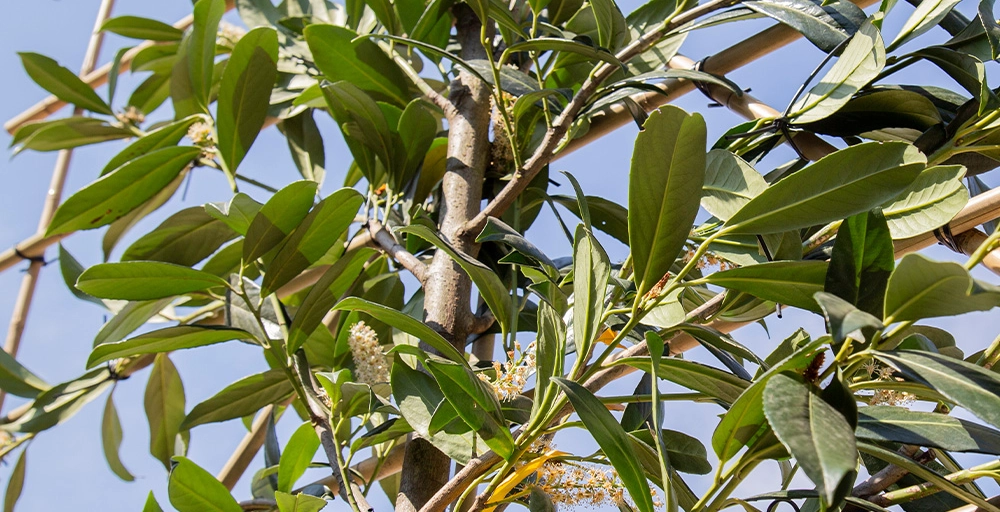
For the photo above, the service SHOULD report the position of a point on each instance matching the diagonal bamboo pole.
(30, 281)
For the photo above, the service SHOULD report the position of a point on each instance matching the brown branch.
(382, 239)
(258, 504)
(883, 479)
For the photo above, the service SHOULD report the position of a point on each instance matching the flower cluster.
(886, 396)
(371, 364)
(201, 135)
(229, 35)
(710, 259)
(131, 115)
(586, 485)
(513, 375)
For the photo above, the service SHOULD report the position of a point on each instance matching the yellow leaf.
(520, 474)
(607, 336)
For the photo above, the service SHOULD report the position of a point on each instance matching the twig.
(883, 479)
(258, 504)
(385, 241)
(52, 199)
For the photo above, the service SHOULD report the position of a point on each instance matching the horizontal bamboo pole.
(94, 79)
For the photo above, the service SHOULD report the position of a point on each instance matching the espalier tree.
(448, 394)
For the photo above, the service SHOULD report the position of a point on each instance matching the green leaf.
(324, 294)
(847, 182)
(245, 93)
(185, 238)
(564, 45)
(968, 385)
(492, 289)
(313, 238)
(923, 288)
(136, 27)
(612, 31)
(151, 93)
(418, 396)
(591, 272)
(786, 282)
(306, 145)
(151, 504)
(968, 71)
(71, 269)
(931, 201)
(18, 380)
(238, 213)
(62, 83)
(614, 442)
(989, 21)
(824, 24)
(144, 280)
(200, 48)
(162, 137)
(15, 482)
(607, 216)
(693, 375)
(901, 425)
(842, 318)
(164, 404)
(359, 61)
(497, 231)
(298, 503)
(297, 456)
(192, 489)
(925, 17)
(475, 403)
(59, 403)
(404, 323)
(815, 433)
(861, 61)
(730, 183)
(129, 318)
(66, 133)
(118, 193)
(278, 217)
(744, 423)
(241, 398)
(550, 350)
(165, 340)
(111, 440)
(862, 261)
(668, 170)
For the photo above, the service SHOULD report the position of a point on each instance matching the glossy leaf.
(200, 48)
(185, 238)
(665, 181)
(931, 201)
(862, 260)
(901, 425)
(475, 403)
(591, 272)
(306, 145)
(696, 376)
(164, 340)
(992, 28)
(845, 183)
(313, 238)
(924, 18)
(144, 280)
(564, 45)
(361, 62)
(111, 440)
(162, 137)
(164, 404)
(730, 183)
(297, 456)
(324, 294)
(418, 396)
(116, 194)
(614, 442)
(493, 291)
(842, 318)
(241, 398)
(744, 423)
(137, 27)
(192, 489)
(238, 213)
(967, 70)
(861, 61)
(814, 432)
(968, 385)
(824, 24)
(62, 83)
(405, 323)
(923, 288)
(786, 282)
(279, 216)
(245, 93)
(300, 502)
(67, 133)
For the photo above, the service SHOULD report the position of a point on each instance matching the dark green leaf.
(59, 403)
(824, 24)
(475, 403)
(842, 318)
(185, 238)
(405, 323)
(668, 170)
(324, 294)
(786, 282)
(165, 136)
(361, 62)
(116, 194)
(241, 398)
(923, 288)
(238, 213)
(244, 94)
(306, 145)
(695, 376)
(129, 318)
(614, 442)
(278, 217)
(298, 455)
(136, 27)
(164, 340)
(730, 183)
(63, 83)
(847, 182)
(71, 269)
(862, 261)
(989, 22)
(901, 425)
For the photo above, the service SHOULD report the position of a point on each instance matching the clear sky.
(66, 465)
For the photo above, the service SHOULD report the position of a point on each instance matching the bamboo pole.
(52, 198)
(240, 460)
(92, 77)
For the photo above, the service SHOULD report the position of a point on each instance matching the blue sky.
(66, 465)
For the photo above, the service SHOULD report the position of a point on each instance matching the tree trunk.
(447, 294)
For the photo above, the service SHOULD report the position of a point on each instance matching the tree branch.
(384, 240)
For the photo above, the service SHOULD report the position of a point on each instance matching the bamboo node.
(34, 259)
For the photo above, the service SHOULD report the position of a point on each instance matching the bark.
(448, 289)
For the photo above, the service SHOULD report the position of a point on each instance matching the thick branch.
(385, 241)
